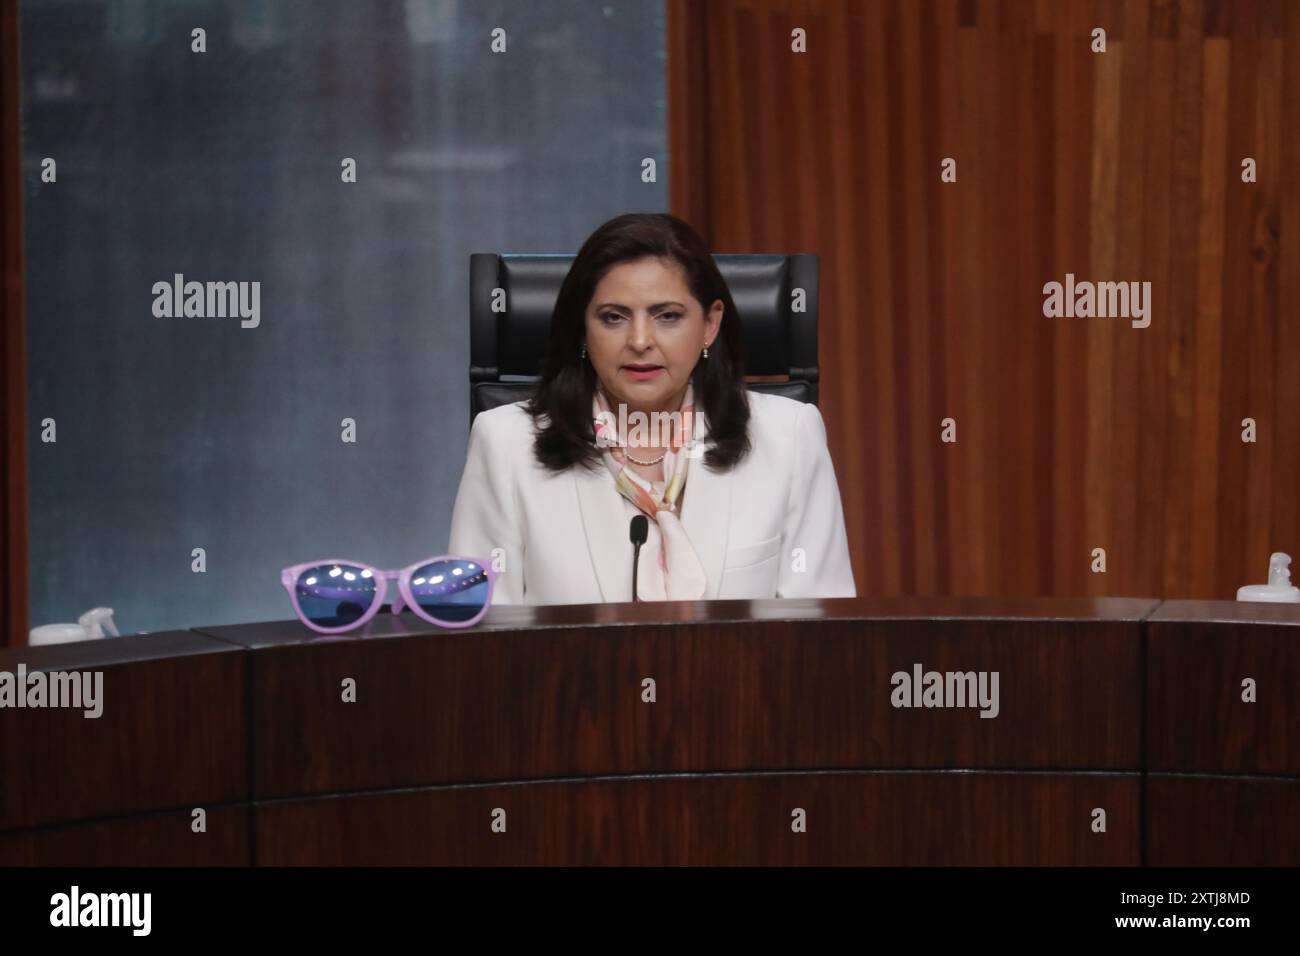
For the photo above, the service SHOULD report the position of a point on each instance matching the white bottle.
(89, 627)
(1279, 588)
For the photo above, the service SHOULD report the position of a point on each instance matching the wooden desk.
(173, 735)
(762, 709)
(1224, 783)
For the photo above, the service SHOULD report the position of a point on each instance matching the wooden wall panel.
(13, 343)
(1073, 433)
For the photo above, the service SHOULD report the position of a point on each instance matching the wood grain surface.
(1072, 433)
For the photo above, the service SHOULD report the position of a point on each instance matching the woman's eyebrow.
(653, 308)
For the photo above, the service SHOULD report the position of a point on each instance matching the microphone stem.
(636, 554)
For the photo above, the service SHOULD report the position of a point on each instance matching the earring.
(584, 352)
(706, 351)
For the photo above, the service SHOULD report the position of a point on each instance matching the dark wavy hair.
(564, 391)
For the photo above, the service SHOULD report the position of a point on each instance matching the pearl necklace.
(640, 462)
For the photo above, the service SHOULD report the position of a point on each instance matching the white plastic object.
(1279, 589)
(98, 620)
(89, 627)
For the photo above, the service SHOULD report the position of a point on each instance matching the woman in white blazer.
(738, 487)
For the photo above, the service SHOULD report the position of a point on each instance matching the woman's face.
(643, 314)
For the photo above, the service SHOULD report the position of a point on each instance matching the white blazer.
(772, 526)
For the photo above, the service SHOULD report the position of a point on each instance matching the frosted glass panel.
(224, 432)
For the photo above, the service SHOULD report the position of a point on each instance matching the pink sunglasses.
(334, 595)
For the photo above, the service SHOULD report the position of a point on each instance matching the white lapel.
(605, 525)
(706, 513)
(706, 516)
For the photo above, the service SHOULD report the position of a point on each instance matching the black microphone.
(637, 532)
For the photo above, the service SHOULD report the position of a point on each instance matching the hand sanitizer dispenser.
(1279, 588)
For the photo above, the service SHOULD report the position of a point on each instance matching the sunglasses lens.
(450, 590)
(335, 595)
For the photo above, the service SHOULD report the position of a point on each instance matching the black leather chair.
(506, 348)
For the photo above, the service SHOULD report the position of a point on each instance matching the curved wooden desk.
(773, 738)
